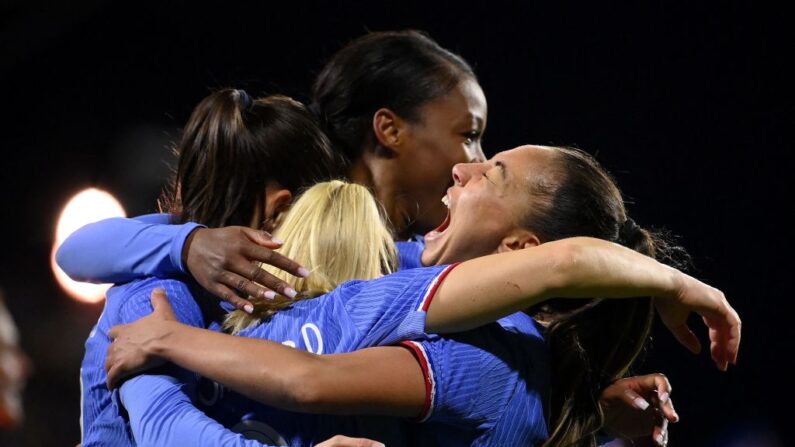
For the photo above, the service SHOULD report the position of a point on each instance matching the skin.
(497, 187)
(476, 186)
(408, 167)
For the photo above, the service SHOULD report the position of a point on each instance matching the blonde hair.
(338, 230)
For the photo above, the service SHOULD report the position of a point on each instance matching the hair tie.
(244, 99)
(628, 231)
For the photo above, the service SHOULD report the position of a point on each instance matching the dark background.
(689, 106)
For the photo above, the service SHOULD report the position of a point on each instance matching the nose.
(463, 172)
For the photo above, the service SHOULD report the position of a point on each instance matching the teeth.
(446, 201)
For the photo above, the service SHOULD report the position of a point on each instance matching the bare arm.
(385, 380)
(484, 289)
(382, 380)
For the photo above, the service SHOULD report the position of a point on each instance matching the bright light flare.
(87, 206)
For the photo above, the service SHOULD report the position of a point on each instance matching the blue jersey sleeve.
(486, 386)
(119, 250)
(162, 414)
(392, 308)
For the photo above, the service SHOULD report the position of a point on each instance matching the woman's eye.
(471, 137)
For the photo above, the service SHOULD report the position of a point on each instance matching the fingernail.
(664, 397)
(303, 272)
(269, 295)
(659, 440)
(248, 308)
(676, 416)
(277, 241)
(640, 403)
(290, 292)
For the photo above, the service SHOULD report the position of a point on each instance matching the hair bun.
(628, 232)
(244, 101)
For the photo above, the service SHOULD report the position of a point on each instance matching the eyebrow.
(479, 121)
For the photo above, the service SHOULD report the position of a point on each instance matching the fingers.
(226, 294)
(262, 237)
(113, 377)
(633, 399)
(161, 305)
(660, 433)
(112, 369)
(724, 333)
(664, 389)
(344, 441)
(256, 282)
(113, 333)
(686, 337)
(270, 257)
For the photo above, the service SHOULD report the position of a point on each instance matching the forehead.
(465, 103)
(526, 164)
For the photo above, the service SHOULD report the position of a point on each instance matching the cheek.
(437, 156)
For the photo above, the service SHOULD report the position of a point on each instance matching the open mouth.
(438, 231)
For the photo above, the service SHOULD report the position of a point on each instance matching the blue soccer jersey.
(476, 395)
(101, 419)
(485, 387)
(409, 254)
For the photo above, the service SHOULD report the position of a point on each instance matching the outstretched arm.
(162, 414)
(385, 380)
(119, 250)
(579, 268)
(222, 260)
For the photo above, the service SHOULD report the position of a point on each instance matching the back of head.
(397, 70)
(592, 342)
(337, 228)
(233, 145)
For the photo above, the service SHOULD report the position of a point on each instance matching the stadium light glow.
(89, 205)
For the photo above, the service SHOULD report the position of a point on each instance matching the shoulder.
(135, 300)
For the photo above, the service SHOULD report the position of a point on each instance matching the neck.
(371, 171)
(360, 173)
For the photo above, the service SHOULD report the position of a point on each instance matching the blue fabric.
(357, 314)
(484, 394)
(102, 419)
(119, 250)
(410, 254)
(490, 385)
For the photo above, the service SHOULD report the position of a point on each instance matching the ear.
(389, 130)
(517, 240)
(277, 201)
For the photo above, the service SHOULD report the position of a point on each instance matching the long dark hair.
(233, 145)
(592, 342)
(400, 70)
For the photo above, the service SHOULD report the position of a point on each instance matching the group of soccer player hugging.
(270, 304)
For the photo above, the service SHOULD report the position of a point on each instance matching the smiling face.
(448, 132)
(487, 205)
